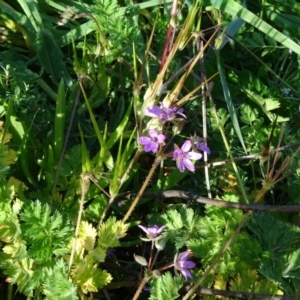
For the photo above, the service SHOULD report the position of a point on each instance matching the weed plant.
(149, 150)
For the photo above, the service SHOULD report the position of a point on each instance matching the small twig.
(215, 202)
(242, 295)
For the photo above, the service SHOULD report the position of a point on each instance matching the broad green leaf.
(50, 55)
(31, 11)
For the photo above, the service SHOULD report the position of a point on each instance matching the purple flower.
(151, 143)
(164, 113)
(199, 144)
(182, 264)
(152, 232)
(203, 147)
(183, 156)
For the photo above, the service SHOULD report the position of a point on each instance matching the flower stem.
(139, 290)
(141, 191)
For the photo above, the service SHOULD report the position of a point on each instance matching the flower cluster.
(181, 262)
(183, 156)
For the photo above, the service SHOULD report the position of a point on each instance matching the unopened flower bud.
(156, 273)
(160, 244)
(140, 260)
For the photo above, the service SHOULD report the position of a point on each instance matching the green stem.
(9, 291)
(141, 191)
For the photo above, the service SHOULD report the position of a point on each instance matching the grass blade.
(229, 103)
(236, 10)
(59, 123)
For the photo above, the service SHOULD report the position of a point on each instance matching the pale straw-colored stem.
(141, 191)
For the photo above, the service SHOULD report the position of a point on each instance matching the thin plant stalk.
(199, 45)
(140, 288)
(170, 34)
(9, 291)
(84, 189)
(141, 191)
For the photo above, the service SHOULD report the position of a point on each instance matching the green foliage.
(119, 24)
(166, 287)
(31, 251)
(280, 244)
(110, 233)
(45, 234)
(89, 253)
(56, 279)
(100, 46)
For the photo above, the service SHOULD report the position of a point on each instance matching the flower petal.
(180, 112)
(143, 140)
(187, 145)
(160, 138)
(152, 146)
(160, 229)
(153, 230)
(187, 274)
(153, 133)
(180, 164)
(187, 264)
(143, 228)
(176, 153)
(203, 147)
(185, 255)
(194, 155)
(153, 111)
(188, 163)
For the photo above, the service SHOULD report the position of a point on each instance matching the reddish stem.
(166, 47)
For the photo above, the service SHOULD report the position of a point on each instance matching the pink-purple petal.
(187, 274)
(187, 145)
(145, 229)
(187, 264)
(161, 229)
(184, 255)
(144, 140)
(160, 138)
(152, 133)
(189, 164)
(194, 155)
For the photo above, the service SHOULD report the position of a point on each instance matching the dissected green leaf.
(166, 287)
